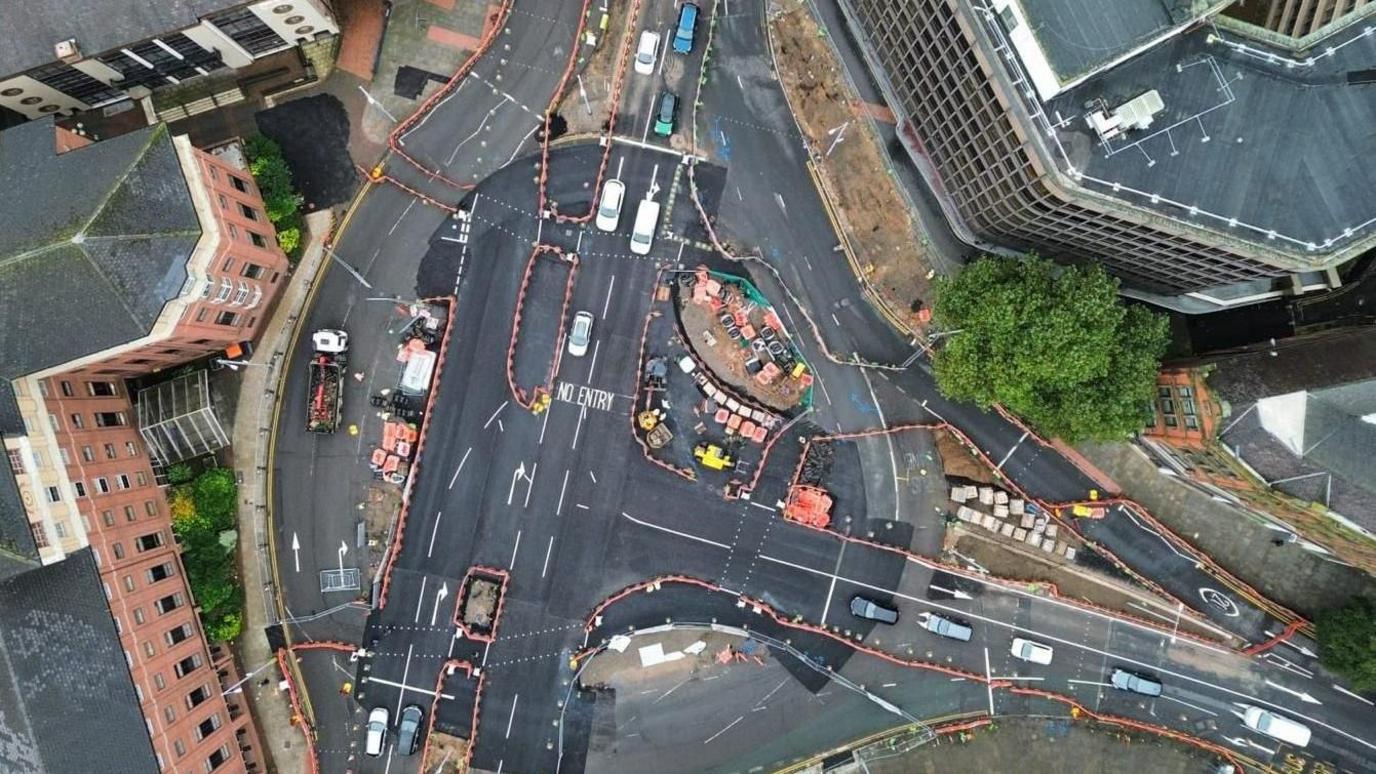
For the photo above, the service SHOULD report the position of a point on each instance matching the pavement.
(562, 503)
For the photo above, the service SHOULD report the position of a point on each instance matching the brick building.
(1286, 430)
(119, 259)
(1205, 165)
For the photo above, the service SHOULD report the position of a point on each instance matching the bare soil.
(959, 461)
(481, 605)
(444, 754)
(597, 73)
(725, 358)
(883, 234)
(1035, 746)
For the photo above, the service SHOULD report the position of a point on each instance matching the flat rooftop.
(1274, 151)
(1078, 36)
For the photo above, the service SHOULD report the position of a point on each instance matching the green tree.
(1347, 642)
(281, 202)
(216, 495)
(1053, 344)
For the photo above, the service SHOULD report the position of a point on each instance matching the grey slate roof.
(1253, 146)
(94, 240)
(67, 701)
(1079, 35)
(29, 29)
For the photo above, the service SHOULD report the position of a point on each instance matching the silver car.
(580, 335)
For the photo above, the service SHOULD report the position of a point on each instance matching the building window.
(150, 507)
(131, 448)
(247, 30)
(43, 387)
(60, 528)
(16, 458)
(110, 452)
(66, 458)
(39, 461)
(248, 212)
(108, 517)
(169, 714)
(252, 271)
(118, 549)
(53, 423)
(226, 318)
(139, 618)
(160, 682)
(101, 389)
(159, 572)
(77, 421)
(217, 758)
(180, 748)
(54, 494)
(40, 535)
(207, 726)
(149, 649)
(179, 634)
(110, 419)
(238, 183)
(88, 454)
(224, 203)
(122, 481)
(257, 239)
(187, 665)
(150, 541)
(129, 514)
(226, 287)
(102, 485)
(201, 314)
(228, 264)
(128, 583)
(67, 391)
(80, 488)
(169, 603)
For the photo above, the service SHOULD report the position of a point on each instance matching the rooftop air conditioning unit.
(67, 50)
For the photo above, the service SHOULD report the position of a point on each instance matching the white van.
(1276, 726)
(646, 223)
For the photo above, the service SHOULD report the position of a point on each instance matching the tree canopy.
(203, 512)
(1347, 642)
(1053, 344)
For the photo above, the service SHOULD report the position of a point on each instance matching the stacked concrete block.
(990, 522)
(1007, 529)
(958, 494)
(1019, 534)
(1001, 511)
(1051, 530)
(1000, 497)
(1069, 553)
(1048, 545)
(986, 495)
(1015, 506)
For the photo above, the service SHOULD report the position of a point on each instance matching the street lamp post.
(352, 271)
(373, 101)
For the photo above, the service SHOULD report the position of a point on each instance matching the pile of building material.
(993, 509)
(808, 505)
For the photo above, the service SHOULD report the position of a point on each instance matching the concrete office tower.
(1205, 167)
(117, 259)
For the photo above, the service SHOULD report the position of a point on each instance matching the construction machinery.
(712, 456)
(325, 380)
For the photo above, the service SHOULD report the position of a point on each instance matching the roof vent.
(67, 50)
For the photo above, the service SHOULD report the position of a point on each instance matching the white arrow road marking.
(439, 597)
(1343, 690)
(953, 592)
(1304, 697)
(296, 551)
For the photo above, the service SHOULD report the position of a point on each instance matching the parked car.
(1028, 650)
(646, 223)
(945, 626)
(1135, 682)
(408, 730)
(862, 607)
(609, 205)
(687, 25)
(377, 731)
(667, 114)
(1276, 726)
(647, 52)
(580, 334)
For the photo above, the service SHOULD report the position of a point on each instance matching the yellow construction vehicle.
(712, 456)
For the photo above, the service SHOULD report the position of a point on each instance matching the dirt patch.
(480, 606)
(875, 220)
(612, 669)
(380, 510)
(1010, 562)
(957, 461)
(1045, 745)
(587, 102)
(444, 754)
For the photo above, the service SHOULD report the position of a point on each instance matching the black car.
(408, 730)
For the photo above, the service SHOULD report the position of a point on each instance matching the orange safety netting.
(808, 505)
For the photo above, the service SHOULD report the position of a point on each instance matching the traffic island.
(540, 322)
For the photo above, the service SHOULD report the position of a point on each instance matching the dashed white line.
(514, 698)
(608, 303)
(512, 564)
(559, 509)
(729, 726)
(460, 467)
(493, 418)
(548, 551)
(420, 602)
(1187, 704)
(434, 531)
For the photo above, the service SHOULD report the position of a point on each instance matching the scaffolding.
(177, 420)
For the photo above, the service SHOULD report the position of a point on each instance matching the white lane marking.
(522, 143)
(530, 484)
(1089, 682)
(608, 303)
(766, 507)
(401, 217)
(404, 688)
(989, 682)
(511, 565)
(765, 698)
(1010, 451)
(494, 414)
(548, 551)
(476, 132)
(1191, 706)
(1162, 538)
(1288, 665)
(664, 52)
(1073, 644)
(405, 671)
(460, 467)
(559, 509)
(433, 532)
(593, 477)
(676, 532)
(645, 135)
(596, 345)
(420, 601)
(831, 590)
(578, 428)
(514, 698)
(544, 424)
(729, 726)
(888, 438)
(1344, 691)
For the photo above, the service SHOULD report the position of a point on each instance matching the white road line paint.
(545, 423)
(671, 690)
(676, 532)
(530, 484)
(559, 509)
(580, 505)
(501, 428)
(888, 438)
(1162, 538)
(1010, 451)
(505, 98)
(420, 598)
(647, 146)
(486, 648)
(1089, 682)
(511, 565)
(593, 477)
(460, 467)
(522, 143)
(1346, 692)
(434, 531)
(592, 367)
(404, 688)
(493, 418)
(1191, 706)
(989, 682)
(514, 698)
(1151, 612)
(833, 319)
(548, 551)
(664, 52)
(766, 507)
(1287, 664)
(645, 135)
(1073, 644)
(405, 671)
(831, 590)
(608, 303)
(729, 726)
(401, 217)
(765, 698)
(578, 428)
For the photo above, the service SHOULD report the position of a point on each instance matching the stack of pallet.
(1010, 517)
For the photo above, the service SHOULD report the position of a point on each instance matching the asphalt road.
(564, 502)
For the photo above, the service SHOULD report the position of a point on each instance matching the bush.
(1347, 642)
(281, 201)
(202, 511)
(180, 474)
(216, 495)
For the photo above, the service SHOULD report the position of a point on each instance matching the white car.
(580, 335)
(1276, 726)
(1027, 650)
(377, 731)
(647, 52)
(609, 205)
